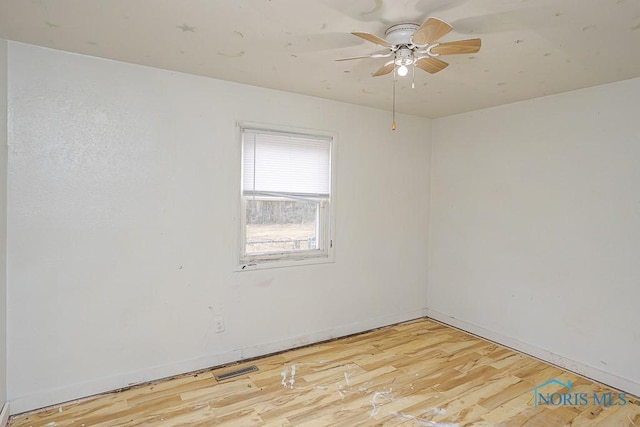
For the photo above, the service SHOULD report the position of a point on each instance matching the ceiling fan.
(412, 44)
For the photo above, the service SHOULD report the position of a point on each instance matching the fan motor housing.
(400, 34)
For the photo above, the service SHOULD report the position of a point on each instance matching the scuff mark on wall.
(263, 283)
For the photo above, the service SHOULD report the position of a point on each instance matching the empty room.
(319, 213)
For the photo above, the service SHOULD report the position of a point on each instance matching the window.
(286, 197)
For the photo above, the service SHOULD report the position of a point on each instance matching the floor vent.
(237, 373)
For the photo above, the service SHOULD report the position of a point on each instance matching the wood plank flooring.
(419, 373)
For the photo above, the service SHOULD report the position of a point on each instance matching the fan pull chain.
(413, 75)
(393, 110)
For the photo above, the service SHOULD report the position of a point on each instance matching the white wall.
(3, 220)
(122, 197)
(535, 228)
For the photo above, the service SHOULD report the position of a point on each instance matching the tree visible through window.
(286, 194)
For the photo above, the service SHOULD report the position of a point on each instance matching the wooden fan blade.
(457, 47)
(430, 31)
(431, 65)
(385, 69)
(353, 57)
(373, 39)
(381, 55)
(385, 53)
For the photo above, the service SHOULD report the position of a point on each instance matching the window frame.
(325, 217)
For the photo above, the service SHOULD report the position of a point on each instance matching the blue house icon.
(551, 381)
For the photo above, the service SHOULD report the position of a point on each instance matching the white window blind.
(285, 164)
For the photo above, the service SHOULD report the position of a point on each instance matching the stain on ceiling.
(530, 48)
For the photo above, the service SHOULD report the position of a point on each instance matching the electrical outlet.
(218, 324)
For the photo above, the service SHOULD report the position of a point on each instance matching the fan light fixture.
(402, 59)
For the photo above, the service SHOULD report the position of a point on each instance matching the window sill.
(280, 263)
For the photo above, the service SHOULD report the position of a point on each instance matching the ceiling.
(530, 48)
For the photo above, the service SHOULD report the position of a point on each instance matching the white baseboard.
(4, 414)
(590, 372)
(101, 385)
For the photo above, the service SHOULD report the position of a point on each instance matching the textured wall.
(123, 196)
(3, 219)
(535, 231)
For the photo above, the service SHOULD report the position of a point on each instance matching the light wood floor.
(418, 373)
